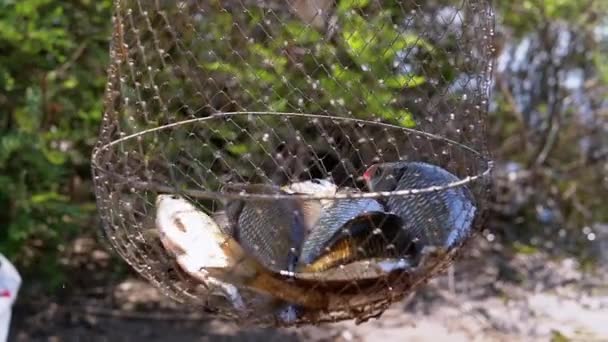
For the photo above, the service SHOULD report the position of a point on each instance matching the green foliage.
(529, 15)
(568, 181)
(53, 57)
(266, 70)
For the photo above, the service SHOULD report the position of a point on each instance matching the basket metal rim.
(215, 195)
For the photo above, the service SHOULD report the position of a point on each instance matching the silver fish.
(195, 241)
(214, 258)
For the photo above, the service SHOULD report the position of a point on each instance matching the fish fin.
(232, 210)
(222, 220)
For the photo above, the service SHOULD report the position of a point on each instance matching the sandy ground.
(486, 296)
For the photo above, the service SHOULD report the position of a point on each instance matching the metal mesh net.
(289, 162)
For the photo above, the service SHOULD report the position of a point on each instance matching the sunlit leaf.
(55, 157)
(238, 149)
(301, 33)
(404, 81)
(346, 5)
(45, 197)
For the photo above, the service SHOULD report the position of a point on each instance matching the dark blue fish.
(372, 235)
(440, 218)
(270, 230)
(334, 215)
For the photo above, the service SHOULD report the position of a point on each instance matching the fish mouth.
(369, 173)
(162, 197)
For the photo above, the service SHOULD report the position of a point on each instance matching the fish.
(272, 230)
(194, 240)
(208, 254)
(331, 219)
(441, 218)
(358, 270)
(216, 259)
(368, 236)
(311, 209)
(319, 187)
(351, 221)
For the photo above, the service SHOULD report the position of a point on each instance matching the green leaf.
(346, 5)
(28, 117)
(405, 119)
(46, 197)
(346, 76)
(238, 149)
(357, 36)
(9, 144)
(55, 157)
(71, 83)
(264, 76)
(7, 82)
(270, 57)
(220, 66)
(404, 81)
(302, 34)
(279, 106)
(524, 249)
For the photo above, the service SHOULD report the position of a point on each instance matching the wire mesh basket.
(292, 162)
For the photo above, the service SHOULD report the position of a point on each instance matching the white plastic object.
(10, 281)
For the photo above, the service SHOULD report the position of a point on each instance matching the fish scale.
(269, 230)
(272, 232)
(365, 237)
(440, 218)
(340, 232)
(331, 220)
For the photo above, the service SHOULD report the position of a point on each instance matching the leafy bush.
(53, 56)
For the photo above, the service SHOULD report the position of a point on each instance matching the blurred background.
(537, 270)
